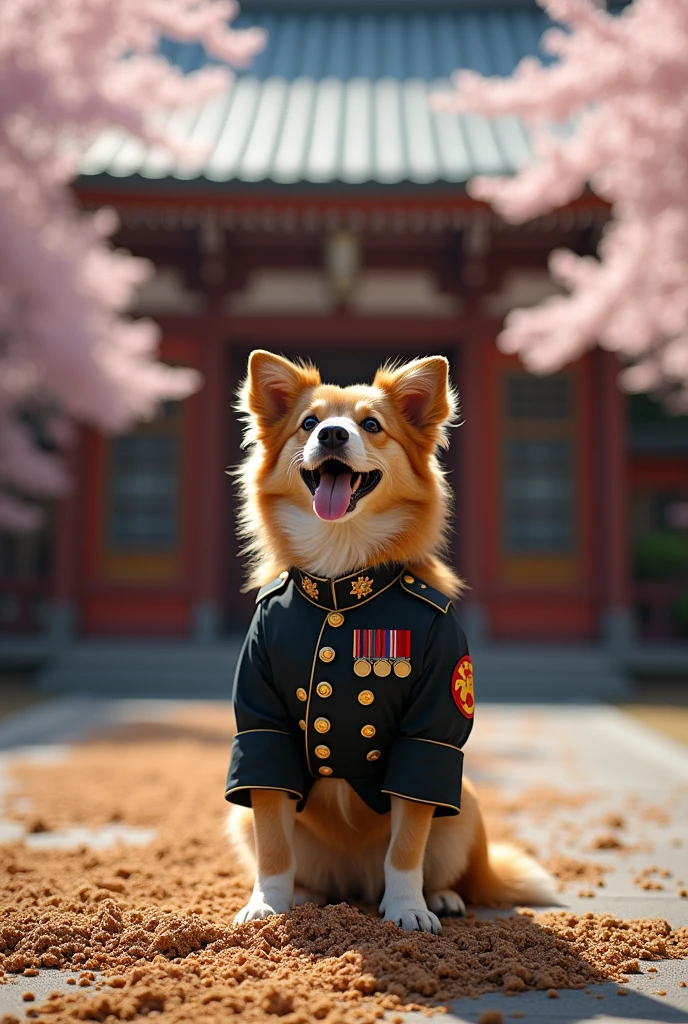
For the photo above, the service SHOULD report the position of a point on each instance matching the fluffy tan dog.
(338, 480)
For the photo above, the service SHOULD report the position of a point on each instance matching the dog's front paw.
(410, 919)
(304, 896)
(258, 909)
(446, 903)
(254, 912)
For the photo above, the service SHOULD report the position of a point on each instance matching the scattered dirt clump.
(569, 870)
(648, 878)
(607, 841)
(36, 826)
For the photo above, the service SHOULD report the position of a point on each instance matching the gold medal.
(362, 667)
(402, 668)
(381, 667)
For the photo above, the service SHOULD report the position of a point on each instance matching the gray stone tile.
(46, 981)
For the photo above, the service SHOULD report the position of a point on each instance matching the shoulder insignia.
(273, 587)
(412, 585)
(462, 686)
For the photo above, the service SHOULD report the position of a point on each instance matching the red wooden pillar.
(211, 483)
(471, 484)
(613, 507)
(62, 608)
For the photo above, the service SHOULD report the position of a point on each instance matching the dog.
(344, 517)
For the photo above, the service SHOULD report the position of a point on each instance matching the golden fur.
(413, 494)
(341, 848)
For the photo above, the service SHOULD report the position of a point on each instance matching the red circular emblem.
(462, 687)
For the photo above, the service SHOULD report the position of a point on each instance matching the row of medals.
(382, 667)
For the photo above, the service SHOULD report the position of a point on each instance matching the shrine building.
(329, 219)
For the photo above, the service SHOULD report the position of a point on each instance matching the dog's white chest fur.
(333, 549)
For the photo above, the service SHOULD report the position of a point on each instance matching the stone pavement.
(554, 752)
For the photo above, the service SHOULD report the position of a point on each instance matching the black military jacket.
(365, 678)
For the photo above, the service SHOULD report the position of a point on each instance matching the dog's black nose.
(333, 437)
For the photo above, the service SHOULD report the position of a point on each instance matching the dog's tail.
(502, 873)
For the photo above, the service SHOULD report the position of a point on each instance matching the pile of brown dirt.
(150, 927)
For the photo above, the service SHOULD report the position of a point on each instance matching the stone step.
(174, 669)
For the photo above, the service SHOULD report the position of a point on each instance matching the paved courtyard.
(585, 782)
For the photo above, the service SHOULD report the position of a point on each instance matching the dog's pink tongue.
(332, 497)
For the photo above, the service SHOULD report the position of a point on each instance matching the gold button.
(321, 725)
(409, 579)
(335, 619)
(366, 697)
(302, 724)
(368, 731)
(322, 752)
(283, 575)
(325, 769)
(326, 654)
(372, 755)
(323, 690)
(301, 693)
(423, 587)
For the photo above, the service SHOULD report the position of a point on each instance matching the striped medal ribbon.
(381, 651)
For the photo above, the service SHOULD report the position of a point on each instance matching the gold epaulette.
(273, 586)
(412, 585)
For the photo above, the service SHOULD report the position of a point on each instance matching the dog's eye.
(371, 425)
(310, 423)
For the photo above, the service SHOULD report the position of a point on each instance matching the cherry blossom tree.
(619, 86)
(70, 69)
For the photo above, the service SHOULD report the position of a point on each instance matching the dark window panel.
(530, 398)
(25, 556)
(144, 493)
(539, 495)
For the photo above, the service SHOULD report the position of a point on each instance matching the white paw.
(303, 896)
(254, 912)
(446, 903)
(410, 919)
(262, 905)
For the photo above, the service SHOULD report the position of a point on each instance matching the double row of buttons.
(324, 690)
(323, 725)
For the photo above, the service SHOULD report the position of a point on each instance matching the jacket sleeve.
(425, 761)
(266, 753)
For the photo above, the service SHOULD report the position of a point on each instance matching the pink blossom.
(621, 81)
(69, 70)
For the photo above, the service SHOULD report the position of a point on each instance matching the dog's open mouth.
(336, 488)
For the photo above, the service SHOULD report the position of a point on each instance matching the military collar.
(349, 591)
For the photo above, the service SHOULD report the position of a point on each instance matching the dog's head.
(340, 478)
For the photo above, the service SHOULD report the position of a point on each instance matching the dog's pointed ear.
(273, 385)
(422, 392)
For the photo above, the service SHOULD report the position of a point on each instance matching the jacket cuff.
(426, 771)
(263, 759)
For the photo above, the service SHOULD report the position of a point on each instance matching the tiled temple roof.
(340, 97)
